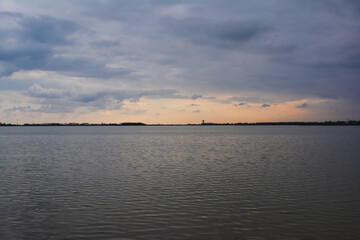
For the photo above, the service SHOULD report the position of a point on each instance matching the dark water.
(205, 182)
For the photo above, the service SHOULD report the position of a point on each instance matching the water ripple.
(179, 183)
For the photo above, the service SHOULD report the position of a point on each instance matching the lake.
(180, 182)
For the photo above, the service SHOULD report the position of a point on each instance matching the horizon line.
(328, 122)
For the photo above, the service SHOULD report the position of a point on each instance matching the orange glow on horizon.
(184, 111)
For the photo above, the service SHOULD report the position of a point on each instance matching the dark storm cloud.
(33, 42)
(222, 34)
(276, 51)
(25, 56)
(29, 42)
(48, 30)
(349, 60)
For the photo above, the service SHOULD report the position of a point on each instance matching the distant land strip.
(325, 123)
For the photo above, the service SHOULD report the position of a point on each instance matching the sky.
(159, 61)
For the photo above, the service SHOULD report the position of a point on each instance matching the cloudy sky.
(179, 61)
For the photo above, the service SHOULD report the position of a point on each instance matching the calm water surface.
(195, 182)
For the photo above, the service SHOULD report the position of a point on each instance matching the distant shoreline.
(326, 123)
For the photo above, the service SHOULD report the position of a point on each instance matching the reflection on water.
(204, 182)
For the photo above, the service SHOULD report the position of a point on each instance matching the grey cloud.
(194, 105)
(8, 84)
(10, 14)
(265, 105)
(248, 99)
(350, 60)
(210, 98)
(196, 111)
(115, 10)
(304, 105)
(33, 43)
(23, 52)
(19, 108)
(22, 56)
(45, 108)
(37, 91)
(106, 43)
(163, 93)
(222, 34)
(46, 29)
(134, 100)
(98, 99)
(167, 61)
(196, 96)
(108, 103)
(240, 104)
(93, 96)
(55, 108)
(121, 95)
(300, 49)
(277, 52)
(83, 67)
(28, 44)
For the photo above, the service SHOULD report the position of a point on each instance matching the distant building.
(206, 123)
